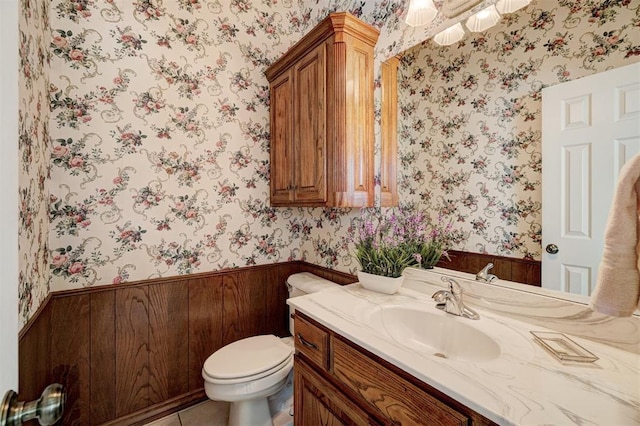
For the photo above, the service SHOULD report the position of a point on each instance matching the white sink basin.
(437, 333)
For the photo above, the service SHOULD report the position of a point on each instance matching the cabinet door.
(318, 403)
(389, 133)
(310, 142)
(388, 394)
(282, 153)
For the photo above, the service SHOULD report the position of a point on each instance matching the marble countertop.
(524, 385)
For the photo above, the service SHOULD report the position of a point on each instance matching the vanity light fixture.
(451, 35)
(421, 12)
(510, 6)
(484, 19)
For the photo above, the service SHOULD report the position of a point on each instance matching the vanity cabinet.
(322, 117)
(342, 383)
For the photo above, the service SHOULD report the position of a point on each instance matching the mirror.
(469, 121)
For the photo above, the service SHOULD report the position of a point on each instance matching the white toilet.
(248, 371)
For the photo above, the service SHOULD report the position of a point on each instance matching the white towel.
(618, 285)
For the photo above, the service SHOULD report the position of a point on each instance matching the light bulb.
(510, 6)
(451, 35)
(421, 12)
(483, 20)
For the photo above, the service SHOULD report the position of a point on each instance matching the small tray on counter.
(563, 348)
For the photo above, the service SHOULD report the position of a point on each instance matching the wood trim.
(163, 280)
(34, 318)
(160, 410)
(508, 268)
(340, 24)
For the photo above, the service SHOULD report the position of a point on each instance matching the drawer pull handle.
(305, 342)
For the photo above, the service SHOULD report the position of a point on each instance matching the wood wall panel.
(341, 278)
(103, 357)
(129, 353)
(507, 268)
(278, 313)
(236, 323)
(205, 324)
(132, 350)
(70, 352)
(168, 347)
(34, 354)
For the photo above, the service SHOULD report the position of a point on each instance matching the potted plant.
(385, 244)
(431, 241)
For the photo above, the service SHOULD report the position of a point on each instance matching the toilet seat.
(247, 359)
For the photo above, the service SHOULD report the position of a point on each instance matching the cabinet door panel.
(309, 132)
(318, 403)
(282, 140)
(389, 394)
(359, 124)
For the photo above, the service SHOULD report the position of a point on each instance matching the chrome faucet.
(484, 274)
(451, 300)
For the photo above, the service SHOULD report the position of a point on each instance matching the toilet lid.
(247, 357)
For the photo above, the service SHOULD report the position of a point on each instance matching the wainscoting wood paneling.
(132, 350)
(70, 352)
(34, 349)
(507, 268)
(103, 357)
(205, 324)
(129, 353)
(168, 348)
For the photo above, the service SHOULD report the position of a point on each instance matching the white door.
(590, 127)
(9, 196)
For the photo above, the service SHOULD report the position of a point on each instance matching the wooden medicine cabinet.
(322, 117)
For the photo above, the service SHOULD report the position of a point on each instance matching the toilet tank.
(305, 283)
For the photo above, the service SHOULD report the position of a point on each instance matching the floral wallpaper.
(471, 115)
(160, 139)
(150, 154)
(34, 157)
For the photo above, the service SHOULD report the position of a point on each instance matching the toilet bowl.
(248, 371)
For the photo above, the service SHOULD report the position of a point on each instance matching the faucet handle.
(454, 286)
(441, 296)
(484, 275)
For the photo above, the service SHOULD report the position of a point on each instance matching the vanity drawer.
(388, 394)
(311, 341)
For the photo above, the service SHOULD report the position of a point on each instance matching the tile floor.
(208, 413)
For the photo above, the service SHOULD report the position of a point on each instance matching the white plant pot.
(380, 283)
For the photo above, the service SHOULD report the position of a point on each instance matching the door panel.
(590, 127)
(310, 133)
(281, 177)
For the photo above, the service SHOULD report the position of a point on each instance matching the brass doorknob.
(48, 409)
(552, 249)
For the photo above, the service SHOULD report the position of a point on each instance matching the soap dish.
(563, 348)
